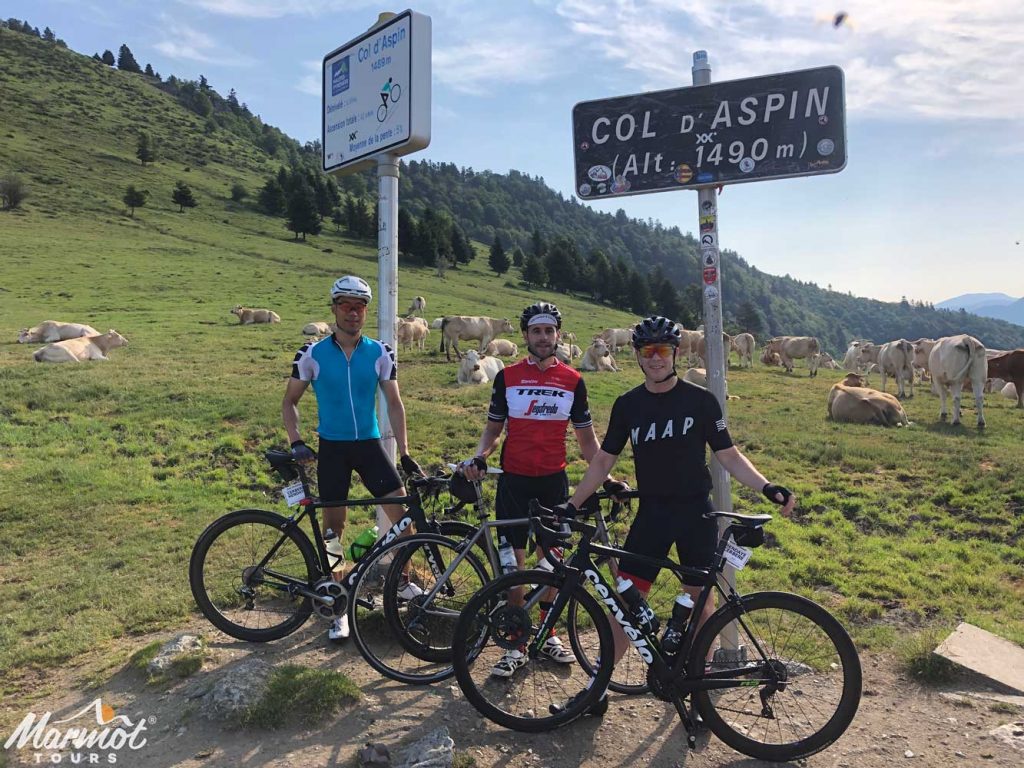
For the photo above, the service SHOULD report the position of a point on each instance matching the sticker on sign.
(736, 555)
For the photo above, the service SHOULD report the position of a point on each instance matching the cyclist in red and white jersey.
(535, 399)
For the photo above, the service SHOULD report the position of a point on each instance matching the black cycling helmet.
(537, 310)
(655, 330)
(463, 489)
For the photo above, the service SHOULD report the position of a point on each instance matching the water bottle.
(642, 613)
(363, 542)
(334, 549)
(556, 554)
(673, 636)
(507, 556)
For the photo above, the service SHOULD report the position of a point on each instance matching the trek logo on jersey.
(654, 433)
(530, 391)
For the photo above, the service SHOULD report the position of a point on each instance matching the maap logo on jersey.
(339, 76)
(94, 735)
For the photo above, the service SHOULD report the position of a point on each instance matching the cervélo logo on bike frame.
(79, 741)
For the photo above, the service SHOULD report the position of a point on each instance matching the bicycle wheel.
(802, 680)
(409, 640)
(396, 93)
(382, 113)
(247, 604)
(489, 626)
(460, 531)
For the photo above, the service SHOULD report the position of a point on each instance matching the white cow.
(616, 338)
(249, 316)
(54, 330)
(80, 349)
(317, 329)
(825, 360)
(789, 348)
(418, 305)
(568, 352)
(744, 345)
(436, 323)
(456, 327)
(475, 369)
(502, 348)
(896, 358)
(953, 359)
(412, 330)
(598, 357)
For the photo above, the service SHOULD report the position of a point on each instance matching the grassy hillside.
(109, 471)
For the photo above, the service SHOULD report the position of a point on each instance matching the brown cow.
(1010, 366)
(856, 404)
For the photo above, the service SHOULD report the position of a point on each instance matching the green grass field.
(110, 470)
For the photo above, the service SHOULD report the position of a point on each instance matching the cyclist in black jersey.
(668, 422)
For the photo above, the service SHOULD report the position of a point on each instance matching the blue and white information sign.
(376, 94)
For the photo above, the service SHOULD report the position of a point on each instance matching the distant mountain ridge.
(995, 305)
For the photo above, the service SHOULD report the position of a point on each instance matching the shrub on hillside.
(183, 197)
(12, 192)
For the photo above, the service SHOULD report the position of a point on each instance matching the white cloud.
(952, 60)
(485, 67)
(184, 42)
(311, 83)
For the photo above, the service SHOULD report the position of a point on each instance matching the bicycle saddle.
(751, 521)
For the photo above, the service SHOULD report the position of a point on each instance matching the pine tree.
(338, 218)
(126, 61)
(96, 57)
(533, 271)
(144, 149)
(639, 293)
(108, 58)
(272, 198)
(238, 192)
(462, 250)
(750, 319)
(518, 257)
(406, 231)
(149, 70)
(134, 198)
(303, 216)
(48, 35)
(538, 245)
(498, 259)
(183, 197)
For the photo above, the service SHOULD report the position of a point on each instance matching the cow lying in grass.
(249, 316)
(851, 401)
(81, 349)
(54, 330)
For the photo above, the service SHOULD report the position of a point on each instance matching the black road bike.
(257, 576)
(789, 689)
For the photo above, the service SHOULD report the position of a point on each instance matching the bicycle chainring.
(510, 626)
(331, 588)
(659, 688)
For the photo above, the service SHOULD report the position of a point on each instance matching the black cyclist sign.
(770, 127)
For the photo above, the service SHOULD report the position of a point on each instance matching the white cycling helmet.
(351, 287)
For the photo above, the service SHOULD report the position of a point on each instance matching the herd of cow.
(952, 363)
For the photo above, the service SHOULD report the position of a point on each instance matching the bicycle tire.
(384, 109)
(216, 593)
(782, 623)
(379, 619)
(502, 699)
(395, 94)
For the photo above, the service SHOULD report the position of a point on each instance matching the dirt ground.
(898, 722)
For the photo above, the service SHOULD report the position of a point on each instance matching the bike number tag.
(293, 493)
(736, 555)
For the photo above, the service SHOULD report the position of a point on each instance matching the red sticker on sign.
(710, 275)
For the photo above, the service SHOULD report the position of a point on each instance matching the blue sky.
(930, 205)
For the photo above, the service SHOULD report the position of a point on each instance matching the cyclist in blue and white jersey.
(346, 369)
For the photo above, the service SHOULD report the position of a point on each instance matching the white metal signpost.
(376, 107)
(770, 127)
